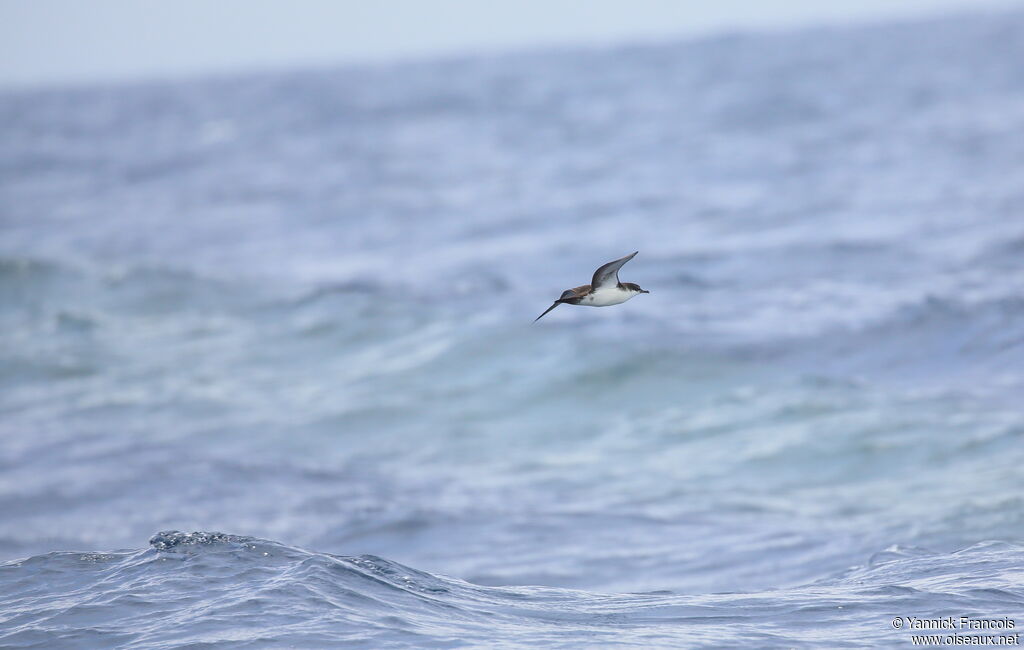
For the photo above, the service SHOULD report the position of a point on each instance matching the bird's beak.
(644, 291)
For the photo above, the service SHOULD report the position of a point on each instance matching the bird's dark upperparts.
(604, 289)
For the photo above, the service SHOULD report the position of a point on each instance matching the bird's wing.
(567, 296)
(608, 275)
(556, 303)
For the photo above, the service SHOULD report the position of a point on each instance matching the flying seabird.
(605, 289)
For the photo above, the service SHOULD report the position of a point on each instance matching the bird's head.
(635, 288)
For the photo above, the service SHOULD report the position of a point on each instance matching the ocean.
(269, 376)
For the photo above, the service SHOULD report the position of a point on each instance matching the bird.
(604, 289)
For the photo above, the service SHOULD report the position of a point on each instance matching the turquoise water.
(298, 307)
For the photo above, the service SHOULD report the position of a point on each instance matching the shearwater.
(604, 289)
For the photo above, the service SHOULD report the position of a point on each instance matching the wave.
(934, 338)
(236, 591)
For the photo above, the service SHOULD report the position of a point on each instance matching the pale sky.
(45, 42)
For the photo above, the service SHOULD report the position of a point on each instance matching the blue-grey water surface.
(295, 308)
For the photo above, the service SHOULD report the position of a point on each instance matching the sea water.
(293, 312)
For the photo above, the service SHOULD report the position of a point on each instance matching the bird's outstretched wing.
(608, 275)
(570, 296)
(556, 303)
